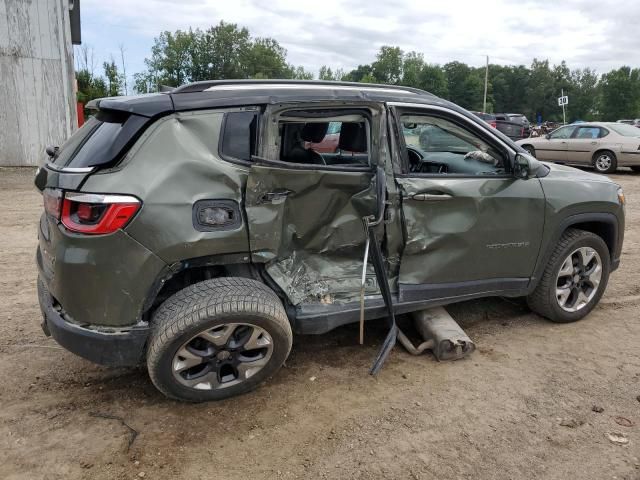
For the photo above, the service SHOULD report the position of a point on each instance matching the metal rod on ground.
(362, 284)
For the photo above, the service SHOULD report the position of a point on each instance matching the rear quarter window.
(239, 135)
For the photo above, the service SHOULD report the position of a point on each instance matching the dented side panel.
(172, 166)
(488, 228)
(306, 226)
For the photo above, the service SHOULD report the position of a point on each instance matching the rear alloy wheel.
(574, 279)
(605, 162)
(223, 356)
(217, 338)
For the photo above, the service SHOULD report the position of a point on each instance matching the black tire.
(530, 150)
(202, 307)
(543, 299)
(635, 168)
(602, 166)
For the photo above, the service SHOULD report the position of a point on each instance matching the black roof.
(229, 93)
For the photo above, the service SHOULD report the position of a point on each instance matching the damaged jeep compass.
(196, 230)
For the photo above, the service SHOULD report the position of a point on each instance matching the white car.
(602, 145)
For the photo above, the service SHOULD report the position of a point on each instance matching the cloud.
(346, 33)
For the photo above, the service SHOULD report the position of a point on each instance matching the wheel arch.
(186, 272)
(604, 225)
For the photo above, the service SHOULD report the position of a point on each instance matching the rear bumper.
(116, 347)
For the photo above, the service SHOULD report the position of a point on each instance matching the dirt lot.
(519, 407)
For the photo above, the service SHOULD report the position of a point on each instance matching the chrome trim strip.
(100, 198)
(55, 168)
(283, 86)
(424, 106)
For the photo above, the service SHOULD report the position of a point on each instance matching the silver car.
(602, 145)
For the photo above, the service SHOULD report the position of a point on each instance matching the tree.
(433, 80)
(620, 94)
(465, 85)
(388, 65)
(224, 51)
(541, 92)
(412, 66)
(114, 80)
(325, 73)
(584, 101)
(359, 73)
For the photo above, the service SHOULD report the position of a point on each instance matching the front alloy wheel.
(578, 279)
(574, 278)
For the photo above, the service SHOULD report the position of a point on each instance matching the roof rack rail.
(211, 84)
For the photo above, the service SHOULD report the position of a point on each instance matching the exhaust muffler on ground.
(441, 334)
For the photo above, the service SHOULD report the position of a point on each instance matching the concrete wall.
(37, 99)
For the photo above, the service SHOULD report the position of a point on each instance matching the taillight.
(493, 124)
(96, 214)
(52, 202)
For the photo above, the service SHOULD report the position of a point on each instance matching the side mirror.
(526, 166)
(51, 151)
(547, 136)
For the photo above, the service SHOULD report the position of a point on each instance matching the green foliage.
(620, 91)
(388, 65)
(113, 78)
(226, 51)
(91, 86)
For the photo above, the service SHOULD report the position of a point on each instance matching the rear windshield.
(94, 137)
(625, 130)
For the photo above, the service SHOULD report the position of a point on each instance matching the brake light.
(97, 214)
(52, 199)
(493, 124)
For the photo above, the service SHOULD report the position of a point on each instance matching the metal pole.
(564, 118)
(486, 81)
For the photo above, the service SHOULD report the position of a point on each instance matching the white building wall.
(37, 98)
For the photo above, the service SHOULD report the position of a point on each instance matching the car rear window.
(89, 141)
(625, 130)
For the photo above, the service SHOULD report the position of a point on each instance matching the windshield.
(625, 130)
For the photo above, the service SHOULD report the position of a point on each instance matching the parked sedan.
(605, 146)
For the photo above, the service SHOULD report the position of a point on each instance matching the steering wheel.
(417, 163)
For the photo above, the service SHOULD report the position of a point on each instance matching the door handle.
(594, 143)
(274, 196)
(431, 197)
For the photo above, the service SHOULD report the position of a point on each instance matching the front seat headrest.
(353, 137)
(314, 132)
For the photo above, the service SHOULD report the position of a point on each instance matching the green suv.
(196, 230)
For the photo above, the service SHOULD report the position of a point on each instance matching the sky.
(345, 33)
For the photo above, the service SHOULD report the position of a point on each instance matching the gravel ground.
(522, 406)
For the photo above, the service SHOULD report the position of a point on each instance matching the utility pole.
(564, 117)
(486, 81)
